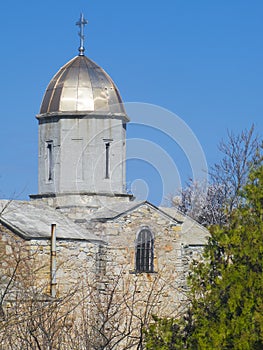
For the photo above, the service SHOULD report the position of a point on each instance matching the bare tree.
(203, 203)
(240, 154)
(31, 319)
(107, 310)
(214, 202)
(118, 310)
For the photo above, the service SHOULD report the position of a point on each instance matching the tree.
(164, 334)
(212, 203)
(105, 309)
(203, 203)
(227, 286)
(240, 153)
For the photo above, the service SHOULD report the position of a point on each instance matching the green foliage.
(226, 287)
(163, 334)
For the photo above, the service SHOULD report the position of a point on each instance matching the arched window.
(144, 251)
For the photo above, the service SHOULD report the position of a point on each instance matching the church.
(83, 249)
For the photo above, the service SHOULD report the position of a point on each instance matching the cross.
(81, 23)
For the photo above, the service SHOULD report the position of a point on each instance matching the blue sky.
(201, 60)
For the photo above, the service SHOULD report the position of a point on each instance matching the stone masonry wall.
(121, 236)
(76, 261)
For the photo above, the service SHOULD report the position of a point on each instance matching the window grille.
(144, 251)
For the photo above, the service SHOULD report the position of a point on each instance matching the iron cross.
(81, 23)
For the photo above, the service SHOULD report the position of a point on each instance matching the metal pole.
(53, 262)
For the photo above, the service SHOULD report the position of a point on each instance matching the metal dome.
(80, 87)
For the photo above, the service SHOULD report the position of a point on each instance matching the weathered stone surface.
(107, 261)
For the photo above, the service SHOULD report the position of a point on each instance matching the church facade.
(83, 247)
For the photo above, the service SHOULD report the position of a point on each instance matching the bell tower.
(82, 135)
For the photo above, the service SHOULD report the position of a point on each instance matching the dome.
(80, 87)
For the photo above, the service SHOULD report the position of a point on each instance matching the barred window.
(144, 251)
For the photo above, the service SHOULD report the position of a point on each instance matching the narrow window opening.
(107, 173)
(101, 260)
(144, 251)
(50, 161)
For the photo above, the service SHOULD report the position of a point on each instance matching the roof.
(192, 232)
(82, 86)
(32, 220)
(116, 210)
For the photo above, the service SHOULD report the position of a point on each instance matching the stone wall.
(98, 283)
(169, 267)
(76, 261)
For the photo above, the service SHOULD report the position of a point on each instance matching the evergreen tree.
(163, 334)
(227, 286)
